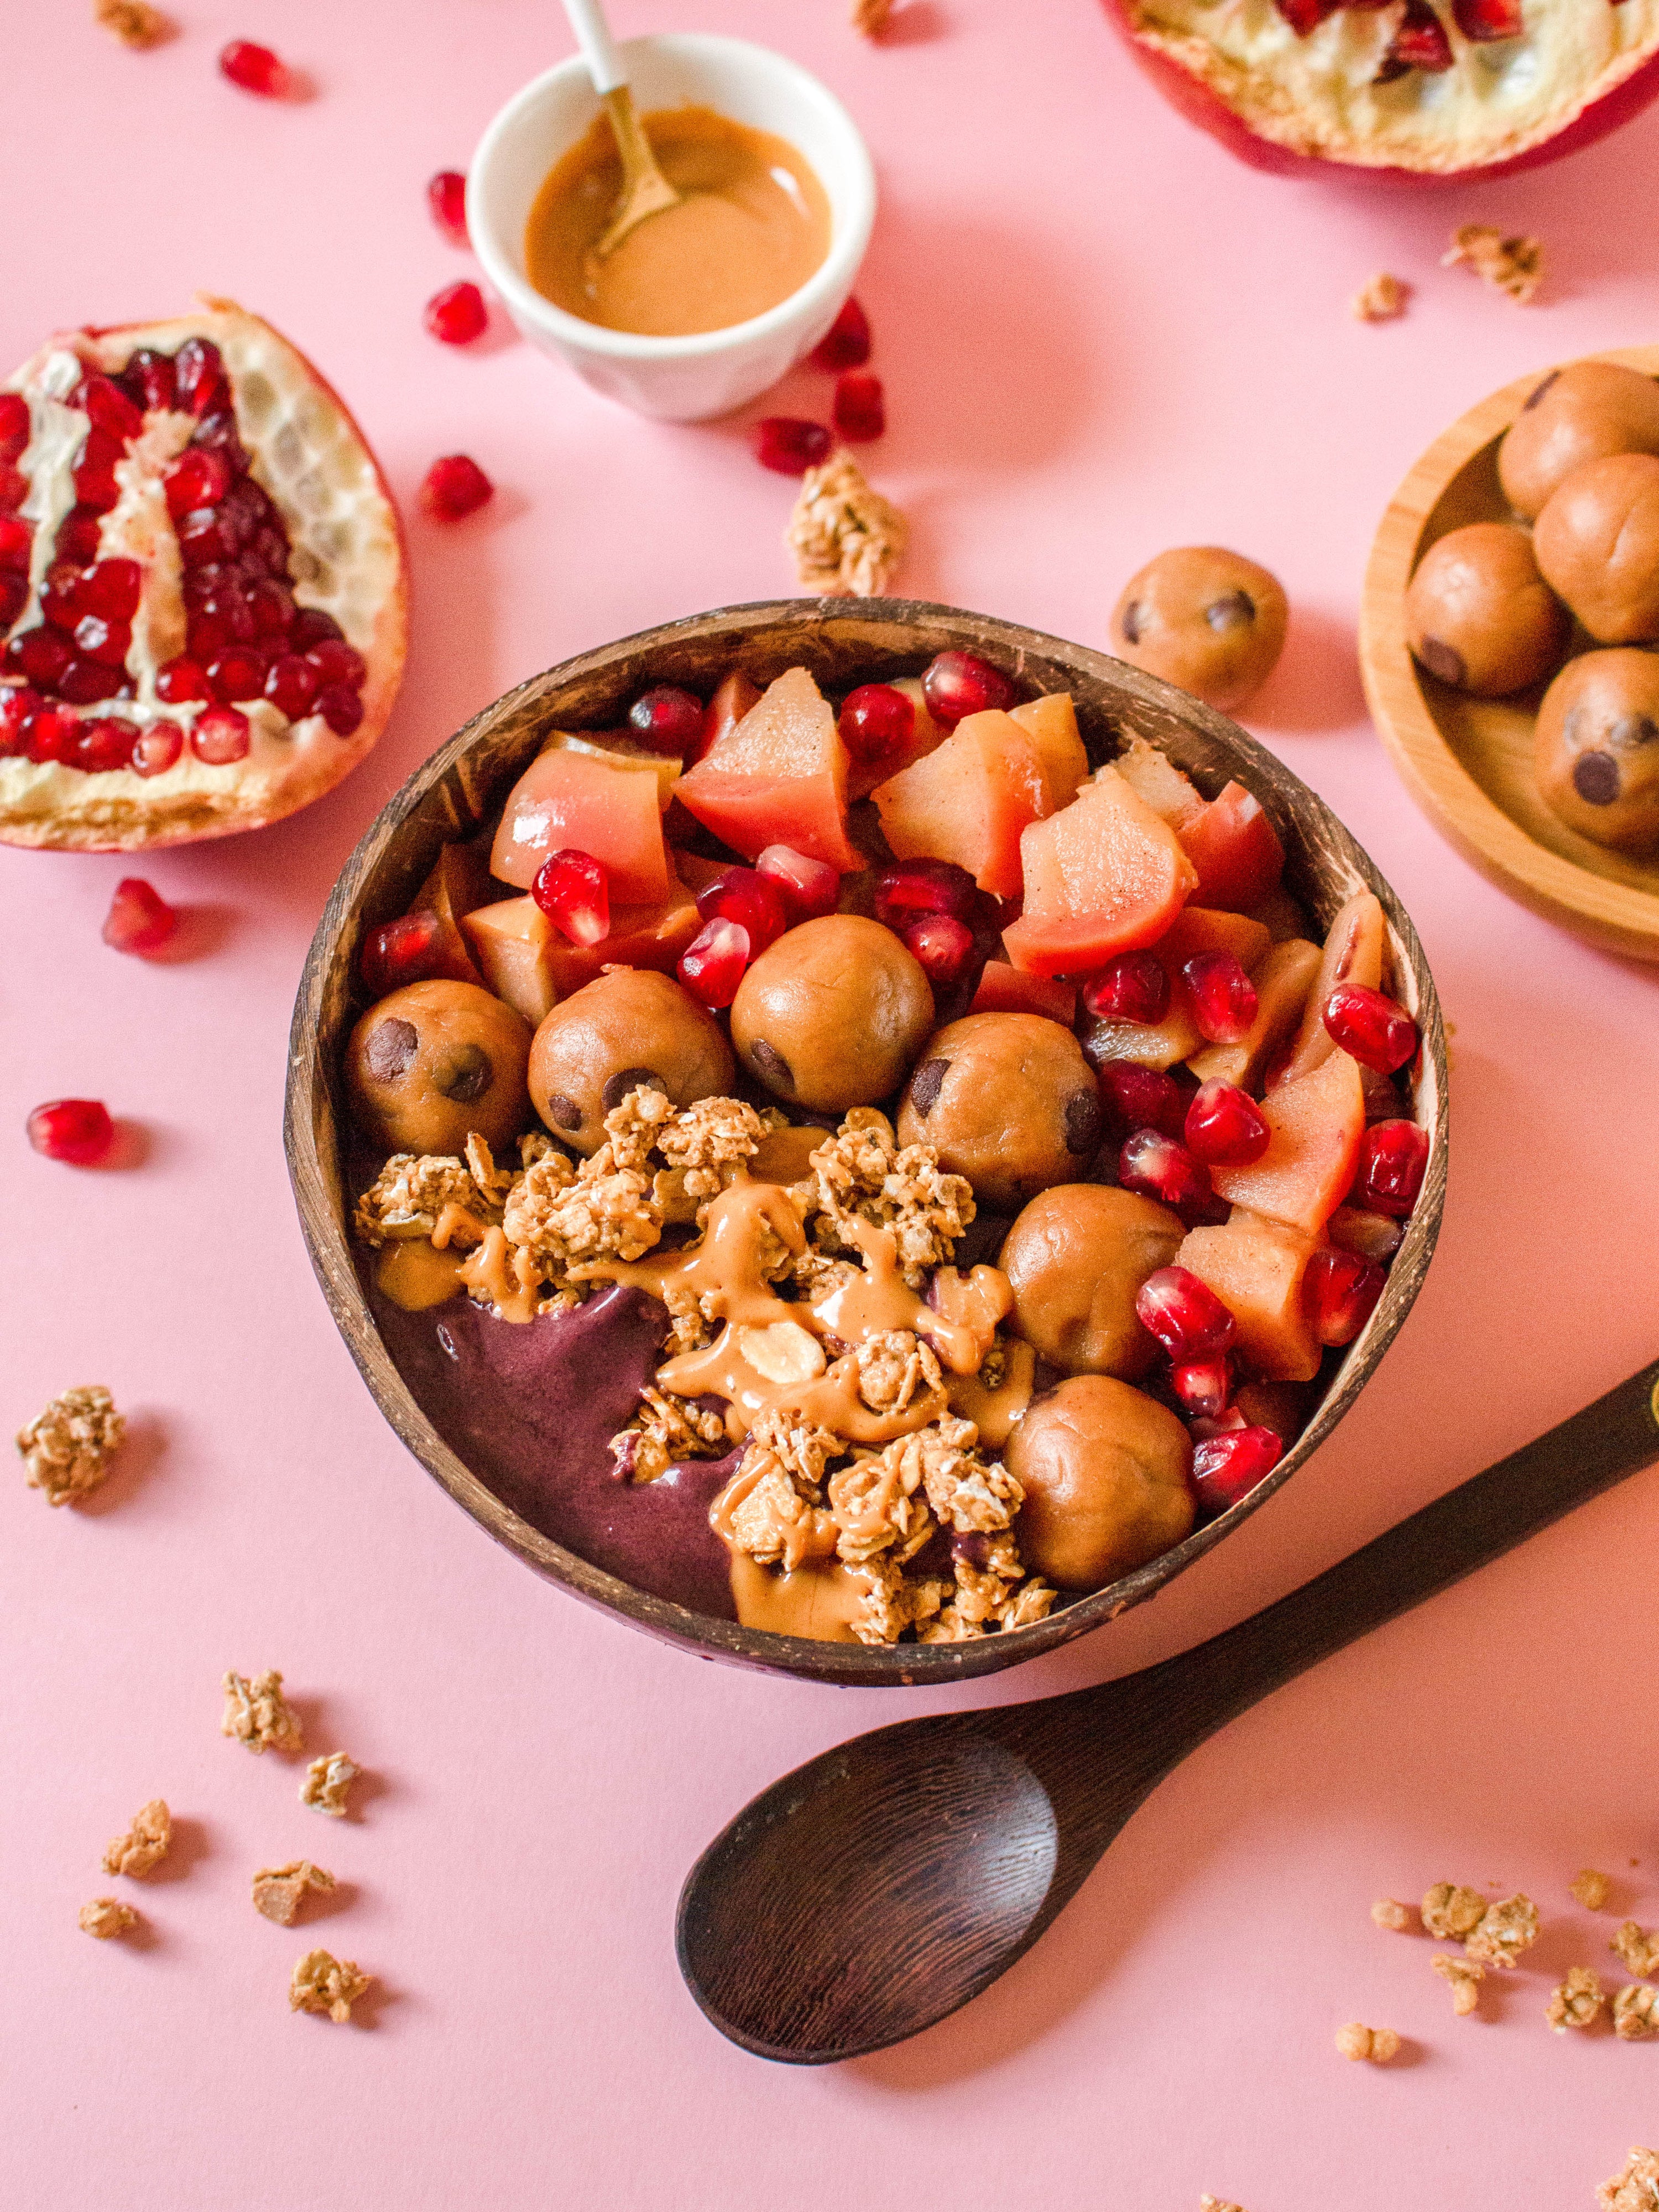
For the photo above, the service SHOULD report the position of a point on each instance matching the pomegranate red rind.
(305, 455)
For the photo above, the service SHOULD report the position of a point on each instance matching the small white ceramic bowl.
(681, 380)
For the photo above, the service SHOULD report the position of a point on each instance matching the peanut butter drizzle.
(820, 1601)
(414, 1274)
(994, 1413)
(507, 1279)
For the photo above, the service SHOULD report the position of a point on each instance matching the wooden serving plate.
(1467, 762)
(842, 642)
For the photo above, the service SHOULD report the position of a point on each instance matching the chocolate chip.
(972, 1546)
(630, 1078)
(773, 1069)
(1632, 730)
(466, 1076)
(1130, 623)
(565, 1112)
(1440, 659)
(391, 1045)
(1236, 611)
(927, 1083)
(1596, 778)
(1083, 1121)
(1541, 390)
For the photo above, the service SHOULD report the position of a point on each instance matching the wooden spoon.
(646, 191)
(884, 1884)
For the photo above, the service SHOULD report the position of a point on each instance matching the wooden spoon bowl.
(1467, 762)
(457, 789)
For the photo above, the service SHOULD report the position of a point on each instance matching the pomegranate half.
(203, 606)
(1421, 87)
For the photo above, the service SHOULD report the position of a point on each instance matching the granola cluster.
(106, 1916)
(1637, 1947)
(1515, 266)
(1494, 1935)
(145, 1844)
(322, 1982)
(1381, 299)
(324, 1783)
(135, 22)
(1576, 2003)
(67, 1448)
(1635, 2188)
(846, 540)
(1357, 2041)
(257, 1713)
(279, 1892)
(861, 1173)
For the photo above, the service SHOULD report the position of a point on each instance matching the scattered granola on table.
(1515, 266)
(145, 1844)
(1380, 299)
(1636, 2187)
(846, 540)
(324, 1783)
(1356, 2040)
(257, 1713)
(67, 1447)
(1390, 1912)
(1576, 2003)
(1451, 1911)
(279, 1892)
(1506, 1929)
(1464, 1979)
(106, 1916)
(322, 1982)
(1590, 1888)
(1636, 2012)
(1637, 1949)
(135, 22)
(870, 16)
(1208, 2203)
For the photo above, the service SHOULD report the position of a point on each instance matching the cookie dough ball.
(1104, 1470)
(1597, 749)
(832, 1014)
(1597, 543)
(1009, 1101)
(1576, 415)
(433, 1063)
(1076, 1257)
(629, 1028)
(1479, 615)
(1203, 618)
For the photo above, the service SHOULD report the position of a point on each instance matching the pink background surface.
(1100, 337)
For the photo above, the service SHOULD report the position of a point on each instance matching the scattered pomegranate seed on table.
(1374, 1029)
(956, 684)
(407, 950)
(1224, 997)
(876, 720)
(1157, 1167)
(1227, 1468)
(941, 945)
(1139, 1097)
(455, 486)
(457, 313)
(860, 412)
(712, 966)
(808, 887)
(221, 735)
(78, 1131)
(573, 890)
(1186, 1316)
(667, 719)
(911, 890)
(1340, 1289)
(1225, 1127)
(745, 896)
(139, 919)
(846, 344)
(790, 446)
(1393, 1156)
(1203, 1387)
(1133, 987)
(445, 195)
(255, 69)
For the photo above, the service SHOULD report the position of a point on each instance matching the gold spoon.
(645, 191)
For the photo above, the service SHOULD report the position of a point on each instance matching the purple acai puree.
(531, 1408)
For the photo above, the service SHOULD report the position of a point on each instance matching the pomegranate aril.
(913, 889)
(254, 68)
(218, 434)
(1225, 1127)
(336, 662)
(41, 655)
(341, 708)
(199, 372)
(1370, 1027)
(13, 487)
(85, 683)
(876, 722)
(456, 314)
(1133, 987)
(408, 950)
(573, 890)
(95, 471)
(60, 597)
(78, 534)
(1222, 996)
(956, 684)
(14, 425)
(219, 737)
(199, 477)
(17, 702)
(311, 626)
(846, 344)
(78, 1131)
(1420, 42)
(1372, 1236)
(1186, 1316)
(270, 547)
(14, 594)
(445, 195)
(1228, 1467)
(743, 894)
(667, 719)
(941, 945)
(790, 446)
(157, 749)
(108, 407)
(102, 640)
(1393, 1156)
(112, 589)
(139, 919)
(1305, 16)
(104, 744)
(1138, 1098)
(204, 535)
(270, 610)
(860, 413)
(1339, 1292)
(808, 887)
(711, 967)
(1157, 1167)
(1203, 1387)
(455, 486)
(149, 379)
(50, 736)
(291, 685)
(181, 681)
(1483, 20)
(236, 674)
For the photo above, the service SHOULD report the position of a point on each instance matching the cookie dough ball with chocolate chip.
(1104, 1470)
(1007, 1100)
(1076, 1257)
(625, 1030)
(1203, 618)
(1597, 543)
(1576, 415)
(832, 1014)
(433, 1063)
(1597, 749)
(1479, 615)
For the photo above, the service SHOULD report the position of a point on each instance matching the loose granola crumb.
(1637, 1947)
(1590, 1888)
(134, 23)
(279, 1892)
(846, 539)
(257, 1713)
(324, 1783)
(1390, 1912)
(412, 1192)
(1636, 2012)
(106, 1916)
(1381, 299)
(1465, 1981)
(322, 1982)
(145, 1844)
(1636, 2187)
(1208, 2203)
(1507, 1928)
(1576, 2002)
(860, 1173)
(1451, 1911)
(1356, 2040)
(1515, 266)
(68, 1446)
(869, 17)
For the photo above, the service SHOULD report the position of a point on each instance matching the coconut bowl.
(1467, 762)
(842, 643)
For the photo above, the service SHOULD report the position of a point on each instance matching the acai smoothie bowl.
(863, 1140)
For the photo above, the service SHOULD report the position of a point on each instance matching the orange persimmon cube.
(1256, 1267)
(968, 800)
(778, 777)
(591, 803)
(1235, 850)
(1314, 1125)
(1104, 876)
